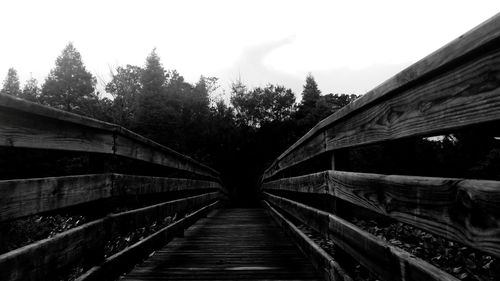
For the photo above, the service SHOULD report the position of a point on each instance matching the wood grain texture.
(441, 92)
(19, 198)
(141, 185)
(43, 259)
(26, 130)
(122, 261)
(22, 106)
(138, 150)
(28, 125)
(230, 244)
(462, 210)
(136, 147)
(24, 197)
(133, 219)
(384, 260)
(319, 258)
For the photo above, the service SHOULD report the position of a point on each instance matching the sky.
(348, 46)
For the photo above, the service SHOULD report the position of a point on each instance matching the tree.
(11, 84)
(157, 114)
(69, 85)
(153, 77)
(311, 93)
(31, 91)
(262, 105)
(125, 87)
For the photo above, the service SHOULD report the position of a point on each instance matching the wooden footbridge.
(180, 227)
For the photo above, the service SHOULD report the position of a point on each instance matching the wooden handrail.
(442, 92)
(29, 125)
(383, 259)
(462, 210)
(24, 197)
(85, 243)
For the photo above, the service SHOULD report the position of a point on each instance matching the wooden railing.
(29, 125)
(456, 87)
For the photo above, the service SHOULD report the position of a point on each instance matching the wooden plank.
(31, 108)
(133, 219)
(122, 261)
(312, 183)
(43, 259)
(19, 198)
(230, 244)
(384, 260)
(140, 185)
(441, 92)
(27, 130)
(24, 197)
(28, 125)
(320, 259)
(462, 210)
(132, 145)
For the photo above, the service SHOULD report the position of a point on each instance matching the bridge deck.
(230, 244)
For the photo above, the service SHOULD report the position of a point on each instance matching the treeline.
(240, 139)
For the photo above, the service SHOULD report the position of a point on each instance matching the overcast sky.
(349, 46)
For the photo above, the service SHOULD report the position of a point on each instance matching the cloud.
(253, 70)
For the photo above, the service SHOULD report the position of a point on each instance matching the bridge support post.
(330, 201)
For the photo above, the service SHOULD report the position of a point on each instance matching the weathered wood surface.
(29, 125)
(122, 261)
(384, 260)
(141, 185)
(133, 219)
(466, 211)
(132, 145)
(39, 260)
(319, 258)
(19, 198)
(43, 259)
(231, 244)
(442, 92)
(24, 197)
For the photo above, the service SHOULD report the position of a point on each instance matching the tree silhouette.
(69, 85)
(11, 84)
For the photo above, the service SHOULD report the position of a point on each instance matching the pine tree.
(11, 84)
(153, 77)
(69, 85)
(31, 91)
(311, 93)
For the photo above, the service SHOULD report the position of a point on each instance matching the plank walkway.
(230, 244)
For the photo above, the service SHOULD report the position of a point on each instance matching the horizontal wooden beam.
(132, 145)
(25, 124)
(133, 219)
(43, 259)
(24, 197)
(20, 198)
(320, 259)
(386, 261)
(140, 185)
(442, 92)
(122, 261)
(462, 210)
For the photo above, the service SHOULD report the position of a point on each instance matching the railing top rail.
(113, 130)
(473, 43)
